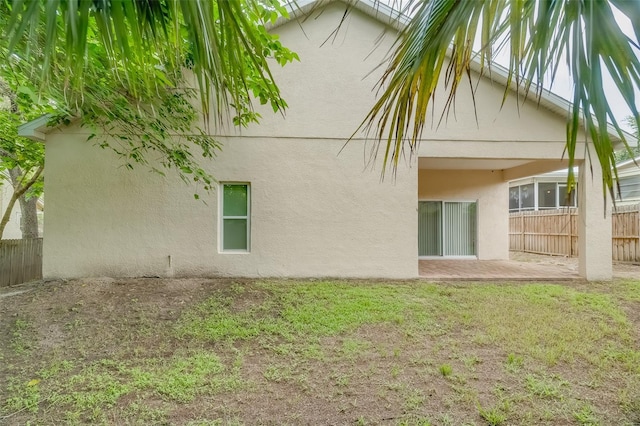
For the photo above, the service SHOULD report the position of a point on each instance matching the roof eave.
(36, 129)
(373, 8)
(549, 100)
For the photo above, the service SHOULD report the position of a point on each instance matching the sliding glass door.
(446, 228)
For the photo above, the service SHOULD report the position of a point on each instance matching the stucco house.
(288, 205)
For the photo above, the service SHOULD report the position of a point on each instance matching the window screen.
(235, 217)
(547, 195)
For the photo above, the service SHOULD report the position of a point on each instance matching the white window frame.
(223, 217)
(536, 202)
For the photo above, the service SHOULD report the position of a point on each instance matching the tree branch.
(17, 193)
(22, 188)
(7, 154)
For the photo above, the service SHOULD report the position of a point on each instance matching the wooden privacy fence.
(556, 232)
(626, 233)
(20, 261)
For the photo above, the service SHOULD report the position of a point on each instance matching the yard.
(224, 351)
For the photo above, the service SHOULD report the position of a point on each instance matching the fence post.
(522, 231)
(569, 232)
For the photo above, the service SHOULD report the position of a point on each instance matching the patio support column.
(594, 226)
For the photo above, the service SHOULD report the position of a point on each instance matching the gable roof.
(497, 73)
(385, 14)
(36, 129)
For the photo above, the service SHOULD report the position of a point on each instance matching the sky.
(563, 84)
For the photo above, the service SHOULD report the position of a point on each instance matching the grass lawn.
(222, 351)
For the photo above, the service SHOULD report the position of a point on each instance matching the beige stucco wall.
(313, 214)
(484, 186)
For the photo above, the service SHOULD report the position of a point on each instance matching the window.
(514, 198)
(547, 195)
(527, 201)
(629, 187)
(566, 200)
(446, 228)
(540, 196)
(235, 226)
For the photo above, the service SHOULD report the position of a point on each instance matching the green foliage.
(630, 152)
(538, 37)
(415, 421)
(145, 43)
(362, 363)
(500, 321)
(21, 159)
(514, 363)
(130, 71)
(100, 385)
(278, 373)
(413, 400)
(55, 369)
(20, 338)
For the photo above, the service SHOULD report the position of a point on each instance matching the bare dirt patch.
(227, 351)
(620, 269)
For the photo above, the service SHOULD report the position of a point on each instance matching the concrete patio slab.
(495, 270)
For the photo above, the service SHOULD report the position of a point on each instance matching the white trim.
(633, 161)
(222, 217)
(35, 129)
(536, 200)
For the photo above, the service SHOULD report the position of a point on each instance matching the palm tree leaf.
(224, 43)
(541, 36)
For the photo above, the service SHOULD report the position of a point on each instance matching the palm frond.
(541, 36)
(223, 41)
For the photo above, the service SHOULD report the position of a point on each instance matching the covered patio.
(463, 218)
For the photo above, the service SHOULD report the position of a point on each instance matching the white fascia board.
(548, 100)
(625, 163)
(35, 129)
(374, 8)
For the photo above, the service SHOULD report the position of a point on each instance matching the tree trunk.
(28, 207)
(29, 221)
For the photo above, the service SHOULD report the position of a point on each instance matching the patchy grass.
(204, 352)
